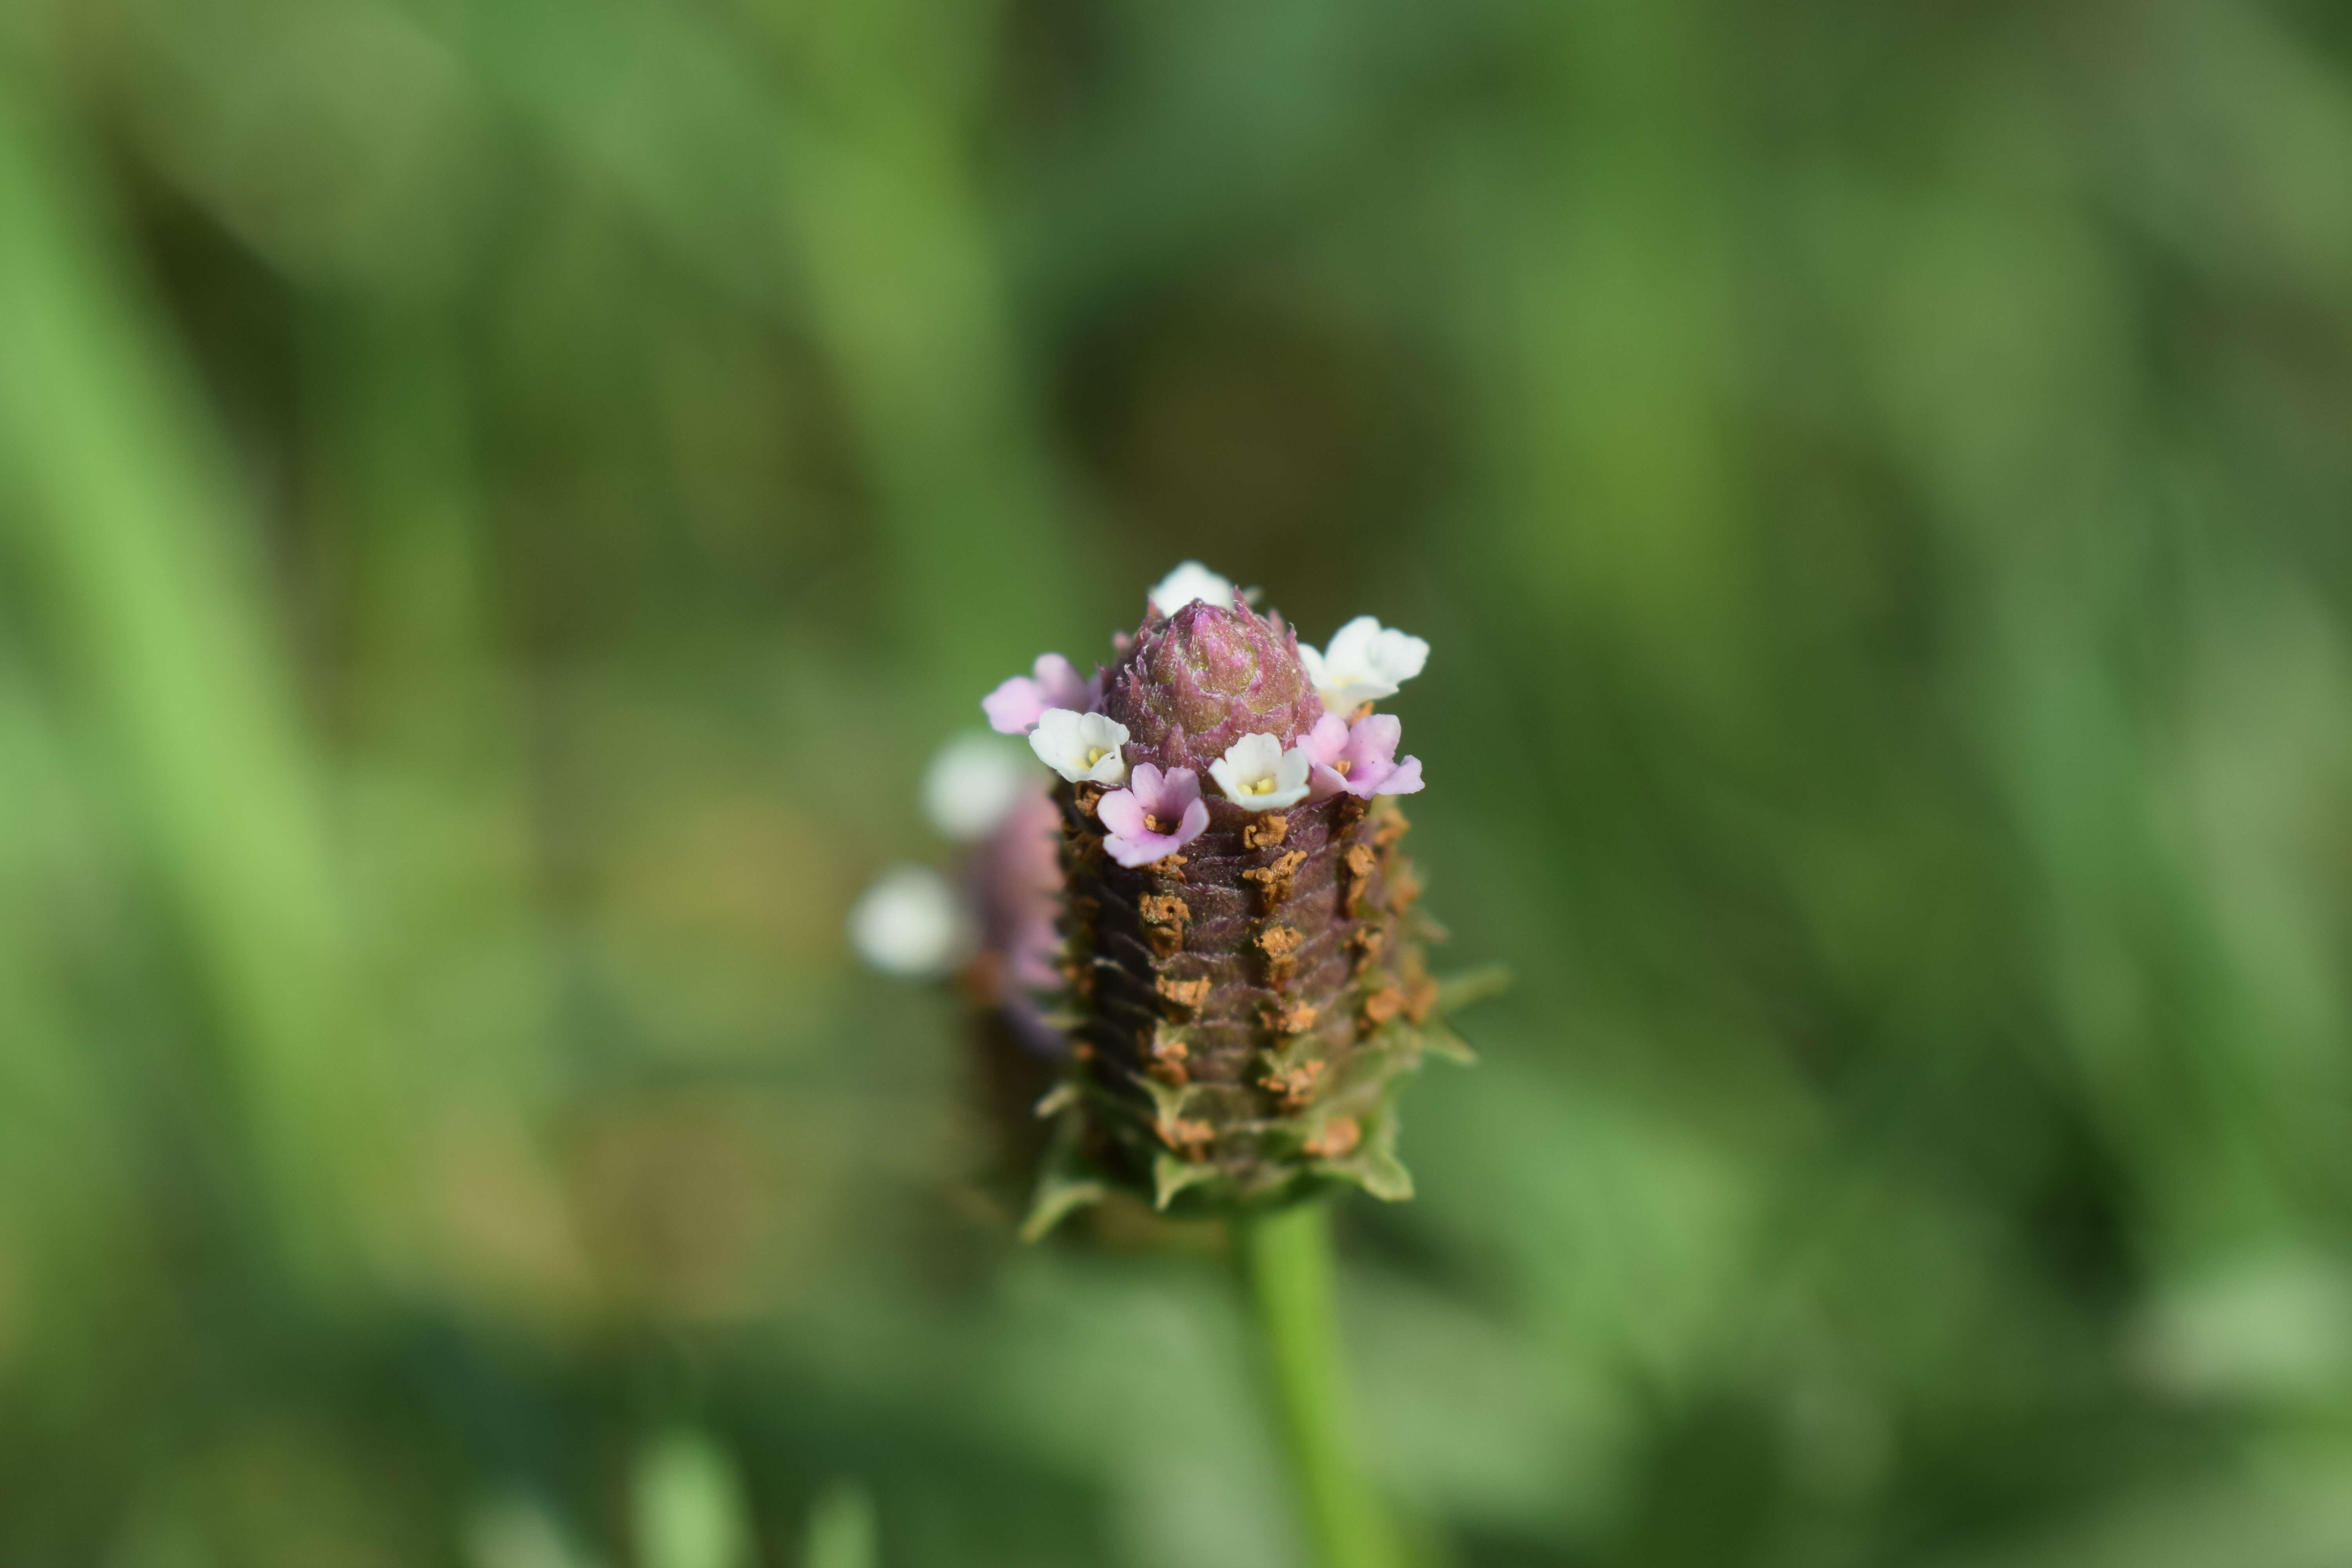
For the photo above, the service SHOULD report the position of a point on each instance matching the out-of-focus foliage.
(498, 499)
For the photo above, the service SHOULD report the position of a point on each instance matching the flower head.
(1234, 985)
(1014, 708)
(1084, 748)
(1256, 772)
(1188, 582)
(1365, 662)
(1155, 816)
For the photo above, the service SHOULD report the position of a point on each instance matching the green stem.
(1286, 1258)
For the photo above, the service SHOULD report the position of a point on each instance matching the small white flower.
(1367, 662)
(973, 781)
(1190, 581)
(1081, 747)
(910, 922)
(1256, 772)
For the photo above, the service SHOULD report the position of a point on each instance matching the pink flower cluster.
(1160, 812)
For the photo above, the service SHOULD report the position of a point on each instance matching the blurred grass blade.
(688, 1506)
(888, 257)
(843, 1531)
(519, 1532)
(110, 486)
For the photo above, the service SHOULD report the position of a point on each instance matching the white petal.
(1290, 781)
(1097, 733)
(1256, 761)
(910, 922)
(973, 781)
(1188, 582)
(1255, 756)
(1398, 658)
(1056, 738)
(1346, 699)
(1352, 645)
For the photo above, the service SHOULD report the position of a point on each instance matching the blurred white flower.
(1365, 663)
(1190, 581)
(910, 922)
(1084, 748)
(973, 781)
(1256, 772)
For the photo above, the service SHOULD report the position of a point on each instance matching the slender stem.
(1287, 1259)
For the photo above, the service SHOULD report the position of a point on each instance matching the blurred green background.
(499, 500)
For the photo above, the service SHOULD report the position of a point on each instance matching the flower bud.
(1195, 682)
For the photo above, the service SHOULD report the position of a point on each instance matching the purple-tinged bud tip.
(1195, 682)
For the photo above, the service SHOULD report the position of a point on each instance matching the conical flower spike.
(1240, 954)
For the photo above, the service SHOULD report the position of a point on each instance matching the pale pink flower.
(1359, 758)
(1157, 815)
(1014, 708)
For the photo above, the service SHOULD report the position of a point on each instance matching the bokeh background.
(500, 499)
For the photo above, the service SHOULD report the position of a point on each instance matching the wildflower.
(1015, 707)
(1242, 979)
(1189, 583)
(1155, 816)
(1325, 744)
(1365, 662)
(1358, 758)
(1084, 748)
(1256, 772)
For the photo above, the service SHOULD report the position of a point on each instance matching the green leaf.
(1065, 1183)
(1171, 1176)
(1472, 987)
(1437, 1040)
